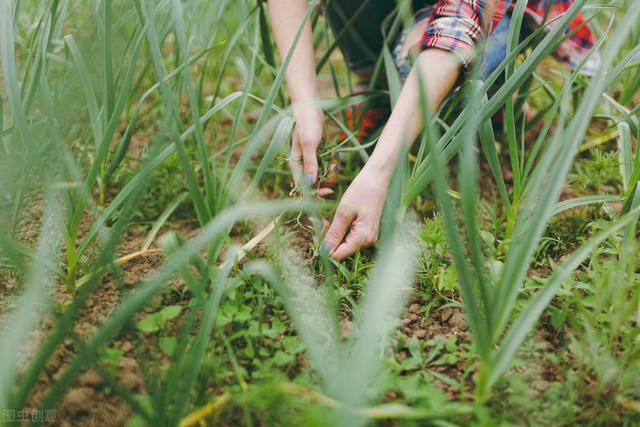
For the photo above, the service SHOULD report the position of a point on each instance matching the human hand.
(307, 136)
(361, 208)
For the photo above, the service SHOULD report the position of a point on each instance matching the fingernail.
(308, 179)
(325, 249)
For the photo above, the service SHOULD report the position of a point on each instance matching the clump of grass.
(488, 304)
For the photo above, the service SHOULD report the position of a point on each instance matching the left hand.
(307, 136)
(361, 208)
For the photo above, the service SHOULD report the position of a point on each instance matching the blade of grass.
(388, 288)
(280, 138)
(488, 143)
(30, 306)
(502, 358)
(162, 219)
(510, 120)
(214, 230)
(107, 62)
(583, 201)
(194, 358)
(625, 154)
(630, 230)
(95, 113)
(547, 185)
(393, 78)
(231, 45)
(11, 85)
(194, 104)
(237, 119)
(202, 211)
(476, 318)
(265, 38)
(449, 143)
(468, 173)
(308, 312)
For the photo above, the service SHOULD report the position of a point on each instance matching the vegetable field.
(159, 267)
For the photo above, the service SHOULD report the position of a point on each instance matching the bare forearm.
(439, 72)
(286, 18)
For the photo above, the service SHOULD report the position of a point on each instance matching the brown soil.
(90, 401)
(27, 231)
(440, 323)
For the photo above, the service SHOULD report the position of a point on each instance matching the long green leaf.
(625, 153)
(583, 201)
(194, 104)
(214, 230)
(529, 316)
(546, 187)
(95, 114)
(450, 143)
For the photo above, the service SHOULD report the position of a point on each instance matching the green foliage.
(157, 321)
(595, 174)
(489, 305)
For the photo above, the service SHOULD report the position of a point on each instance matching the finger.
(309, 164)
(294, 161)
(346, 249)
(324, 192)
(341, 222)
(362, 234)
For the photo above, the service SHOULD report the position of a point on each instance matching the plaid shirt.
(456, 25)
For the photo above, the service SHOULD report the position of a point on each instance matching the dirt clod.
(458, 321)
(126, 346)
(90, 379)
(129, 374)
(78, 400)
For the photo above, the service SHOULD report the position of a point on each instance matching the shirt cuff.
(454, 26)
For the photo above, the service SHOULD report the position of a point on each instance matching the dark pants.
(357, 27)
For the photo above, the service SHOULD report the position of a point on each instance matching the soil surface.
(91, 400)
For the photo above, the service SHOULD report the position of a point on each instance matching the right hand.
(307, 137)
(358, 214)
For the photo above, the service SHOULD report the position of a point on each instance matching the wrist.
(307, 112)
(303, 91)
(305, 105)
(384, 159)
(380, 167)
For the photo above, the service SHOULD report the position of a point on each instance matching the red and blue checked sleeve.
(457, 25)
